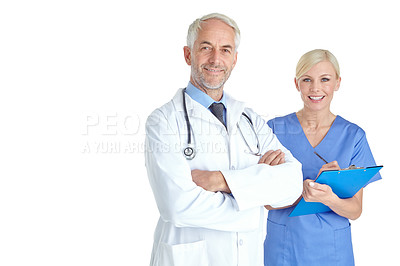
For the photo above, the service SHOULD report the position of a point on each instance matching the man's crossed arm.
(214, 180)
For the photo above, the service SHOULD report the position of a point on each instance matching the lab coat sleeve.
(179, 200)
(262, 184)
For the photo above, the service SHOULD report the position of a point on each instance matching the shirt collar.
(201, 97)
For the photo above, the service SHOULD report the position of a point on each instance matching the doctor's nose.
(215, 57)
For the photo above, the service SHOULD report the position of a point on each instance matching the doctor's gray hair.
(196, 26)
(311, 58)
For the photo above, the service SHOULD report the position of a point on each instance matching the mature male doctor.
(204, 166)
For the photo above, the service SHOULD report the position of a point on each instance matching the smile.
(316, 98)
(217, 70)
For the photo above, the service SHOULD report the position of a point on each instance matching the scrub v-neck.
(323, 139)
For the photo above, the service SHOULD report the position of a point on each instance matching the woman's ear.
(297, 84)
(338, 83)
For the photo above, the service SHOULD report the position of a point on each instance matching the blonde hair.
(196, 26)
(311, 58)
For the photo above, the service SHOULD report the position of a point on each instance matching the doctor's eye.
(306, 80)
(325, 79)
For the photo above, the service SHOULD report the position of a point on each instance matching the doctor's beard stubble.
(200, 78)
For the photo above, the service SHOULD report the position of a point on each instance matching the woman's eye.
(325, 79)
(306, 80)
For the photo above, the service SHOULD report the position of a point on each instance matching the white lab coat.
(198, 227)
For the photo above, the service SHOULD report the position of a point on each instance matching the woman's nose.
(314, 86)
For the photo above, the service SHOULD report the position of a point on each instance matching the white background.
(79, 78)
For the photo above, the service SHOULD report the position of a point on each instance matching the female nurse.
(323, 238)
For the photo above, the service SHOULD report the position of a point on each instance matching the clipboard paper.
(344, 183)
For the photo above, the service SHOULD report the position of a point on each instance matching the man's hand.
(210, 180)
(273, 157)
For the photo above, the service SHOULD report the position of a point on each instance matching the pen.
(351, 167)
(320, 157)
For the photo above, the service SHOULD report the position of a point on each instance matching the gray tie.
(218, 110)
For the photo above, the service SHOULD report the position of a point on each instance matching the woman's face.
(317, 86)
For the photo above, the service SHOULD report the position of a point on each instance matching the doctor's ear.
(188, 55)
(234, 60)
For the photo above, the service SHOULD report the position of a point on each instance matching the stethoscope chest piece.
(189, 152)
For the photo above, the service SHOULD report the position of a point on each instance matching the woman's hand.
(315, 192)
(329, 166)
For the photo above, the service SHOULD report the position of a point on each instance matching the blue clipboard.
(344, 183)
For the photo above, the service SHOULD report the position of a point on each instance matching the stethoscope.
(189, 152)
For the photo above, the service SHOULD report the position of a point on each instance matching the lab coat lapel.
(234, 110)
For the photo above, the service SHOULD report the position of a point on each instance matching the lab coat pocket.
(184, 254)
(344, 247)
(275, 244)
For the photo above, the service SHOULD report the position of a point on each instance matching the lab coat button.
(241, 242)
(232, 167)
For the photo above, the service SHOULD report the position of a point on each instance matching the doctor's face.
(213, 55)
(317, 86)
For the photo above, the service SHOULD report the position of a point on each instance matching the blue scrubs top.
(315, 239)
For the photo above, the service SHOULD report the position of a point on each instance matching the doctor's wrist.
(221, 182)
